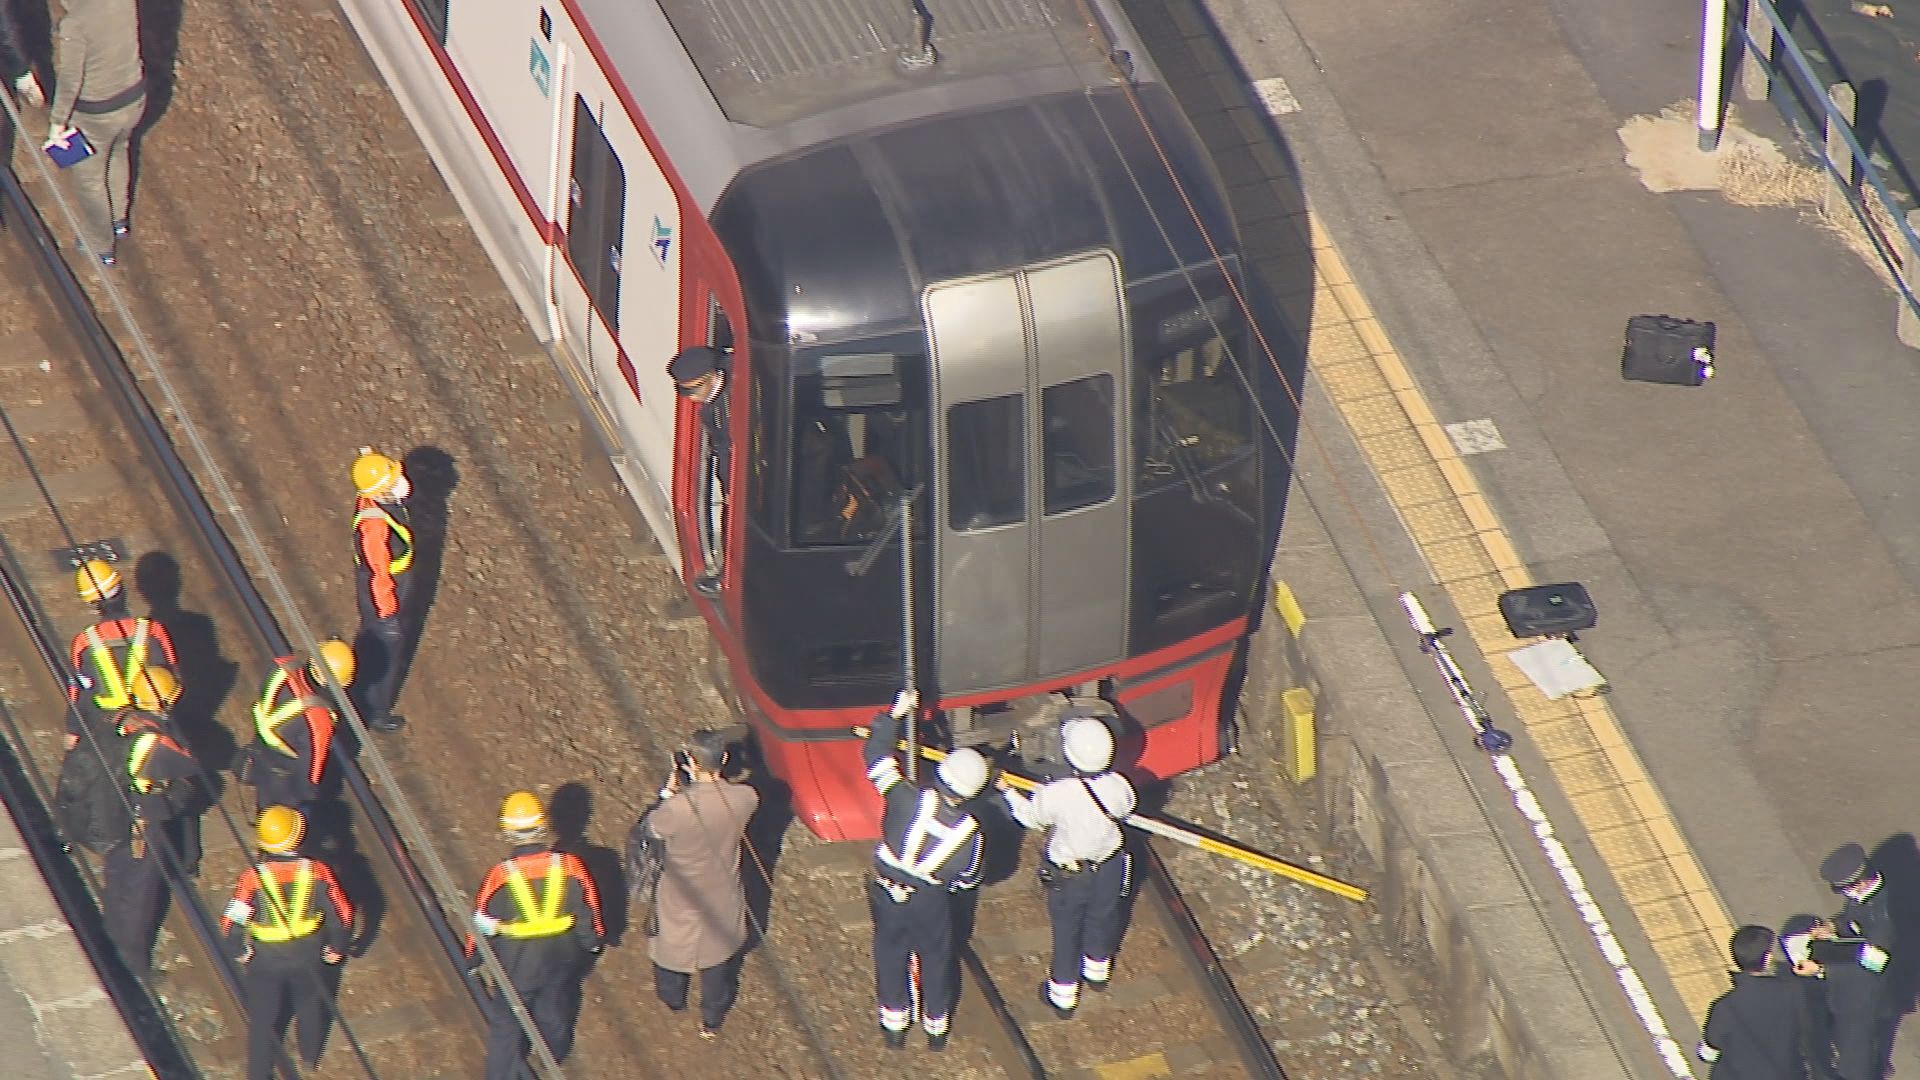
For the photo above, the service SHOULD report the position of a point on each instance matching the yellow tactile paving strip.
(1440, 503)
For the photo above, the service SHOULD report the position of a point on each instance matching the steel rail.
(184, 493)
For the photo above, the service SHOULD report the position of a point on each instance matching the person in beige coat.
(100, 89)
(700, 911)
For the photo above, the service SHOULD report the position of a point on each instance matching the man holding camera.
(700, 909)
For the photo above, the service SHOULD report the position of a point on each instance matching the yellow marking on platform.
(1289, 607)
(1150, 1067)
(1444, 510)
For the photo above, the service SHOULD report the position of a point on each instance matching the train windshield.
(1194, 409)
(859, 439)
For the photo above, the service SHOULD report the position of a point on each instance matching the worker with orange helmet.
(293, 723)
(160, 777)
(286, 922)
(105, 655)
(383, 584)
(540, 914)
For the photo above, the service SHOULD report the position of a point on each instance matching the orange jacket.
(383, 546)
(308, 732)
(117, 634)
(248, 907)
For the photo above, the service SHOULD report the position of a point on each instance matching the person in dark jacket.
(701, 374)
(1755, 1031)
(1797, 948)
(16, 67)
(1860, 938)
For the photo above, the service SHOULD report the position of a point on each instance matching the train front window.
(859, 438)
(1194, 411)
(986, 463)
(1077, 441)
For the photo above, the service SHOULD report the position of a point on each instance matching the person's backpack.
(645, 859)
(92, 805)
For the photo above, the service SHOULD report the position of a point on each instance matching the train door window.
(434, 13)
(597, 208)
(715, 460)
(986, 463)
(860, 433)
(1076, 444)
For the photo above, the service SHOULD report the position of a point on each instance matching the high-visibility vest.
(143, 745)
(290, 915)
(267, 717)
(374, 511)
(116, 680)
(545, 920)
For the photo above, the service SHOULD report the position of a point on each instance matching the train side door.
(704, 469)
(1032, 532)
(587, 289)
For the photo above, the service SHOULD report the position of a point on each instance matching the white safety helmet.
(964, 772)
(1088, 743)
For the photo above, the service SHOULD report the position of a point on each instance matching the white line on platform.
(1275, 96)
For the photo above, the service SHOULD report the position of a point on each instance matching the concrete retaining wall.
(1395, 801)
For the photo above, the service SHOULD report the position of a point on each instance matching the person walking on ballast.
(930, 848)
(99, 87)
(293, 724)
(383, 583)
(700, 908)
(109, 652)
(1088, 870)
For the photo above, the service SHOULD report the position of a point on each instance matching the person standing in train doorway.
(383, 584)
(99, 89)
(700, 375)
(1087, 870)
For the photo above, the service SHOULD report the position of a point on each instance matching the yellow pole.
(1188, 837)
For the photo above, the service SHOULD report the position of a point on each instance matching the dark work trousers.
(135, 900)
(921, 926)
(1862, 1025)
(282, 981)
(551, 1002)
(1085, 910)
(279, 780)
(1819, 1028)
(381, 648)
(719, 985)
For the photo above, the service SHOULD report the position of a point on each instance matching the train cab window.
(434, 13)
(1194, 410)
(986, 463)
(1076, 440)
(859, 439)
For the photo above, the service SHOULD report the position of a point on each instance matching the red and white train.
(965, 248)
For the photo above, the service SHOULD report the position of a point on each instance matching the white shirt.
(1082, 832)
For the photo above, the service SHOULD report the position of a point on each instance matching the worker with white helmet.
(1086, 869)
(383, 583)
(930, 848)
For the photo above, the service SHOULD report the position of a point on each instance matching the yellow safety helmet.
(521, 812)
(375, 474)
(96, 581)
(337, 655)
(280, 829)
(154, 689)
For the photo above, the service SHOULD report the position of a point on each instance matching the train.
(991, 416)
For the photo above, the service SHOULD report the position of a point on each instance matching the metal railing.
(1770, 65)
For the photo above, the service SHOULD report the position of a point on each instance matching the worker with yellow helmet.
(383, 582)
(293, 723)
(105, 655)
(160, 777)
(540, 914)
(286, 922)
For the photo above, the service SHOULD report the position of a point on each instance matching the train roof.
(726, 84)
(769, 63)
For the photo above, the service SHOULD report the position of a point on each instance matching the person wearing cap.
(540, 913)
(105, 655)
(700, 374)
(1860, 993)
(1087, 870)
(930, 849)
(1756, 1030)
(286, 923)
(700, 908)
(383, 584)
(293, 725)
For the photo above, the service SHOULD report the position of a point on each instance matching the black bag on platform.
(91, 806)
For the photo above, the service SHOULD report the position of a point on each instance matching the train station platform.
(1480, 240)
(57, 1020)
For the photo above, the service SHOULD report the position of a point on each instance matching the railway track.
(86, 464)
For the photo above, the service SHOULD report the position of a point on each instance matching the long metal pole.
(910, 673)
(1713, 75)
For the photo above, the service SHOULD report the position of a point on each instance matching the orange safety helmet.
(280, 829)
(376, 475)
(521, 812)
(96, 581)
(154, 689)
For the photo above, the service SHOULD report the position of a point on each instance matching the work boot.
(895, 1039)
(1046, 998)
(937, 1043)
(387, 724)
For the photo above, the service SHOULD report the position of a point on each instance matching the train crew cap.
(963, 772)
(280, 829)
(1846, 866)
(96, 581)
(1088, 744)
(694, 363)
